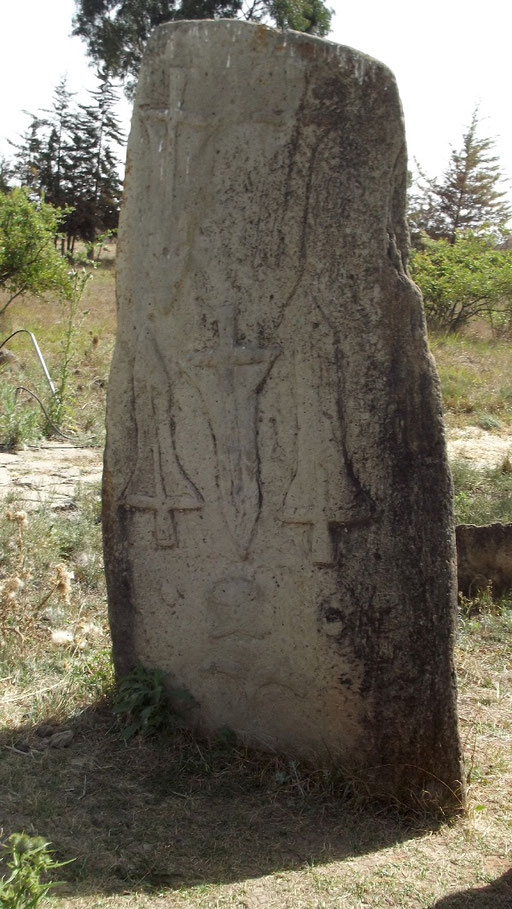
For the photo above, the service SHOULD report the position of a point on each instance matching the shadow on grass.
(170, 812)
(497, 895)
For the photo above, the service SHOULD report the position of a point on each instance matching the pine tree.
(96, 186)
(466, 197)
(26, 166)
(66, 156)
(5, 175)
(55, 150)
(41, 158)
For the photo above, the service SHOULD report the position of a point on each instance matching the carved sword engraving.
(229, 378)
(322, 493)
(158, 482)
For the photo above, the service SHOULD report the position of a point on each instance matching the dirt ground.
(479, 447)
(52, 471)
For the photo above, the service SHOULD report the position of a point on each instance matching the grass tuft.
(472, 371)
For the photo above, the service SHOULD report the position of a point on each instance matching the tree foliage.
(468, 196)
(29, 260)
(309, 16)
(116, 31)
(460, 280)
(67, 156)
(5, 175)
(96, 183)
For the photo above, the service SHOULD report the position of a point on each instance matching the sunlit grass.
(475, 384)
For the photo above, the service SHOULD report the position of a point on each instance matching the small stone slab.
(484, 558)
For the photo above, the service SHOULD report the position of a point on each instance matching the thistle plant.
(29, 861)
(18, 612)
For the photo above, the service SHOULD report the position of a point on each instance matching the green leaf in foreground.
(29, 860)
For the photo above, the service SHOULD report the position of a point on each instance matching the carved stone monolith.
(277, 501)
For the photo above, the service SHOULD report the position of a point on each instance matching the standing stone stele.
(277, 501)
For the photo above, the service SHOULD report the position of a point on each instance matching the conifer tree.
(467, 197)
(41, 160)
(54, 156)
(67, 157)
(96, 187)
(26, 166)
(5, 175)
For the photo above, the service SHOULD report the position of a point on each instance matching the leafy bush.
(147, 704)
(141, 699)
(29, 260)
(461, 280)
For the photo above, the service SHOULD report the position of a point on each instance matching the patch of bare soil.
(479, 447)
(51, 472)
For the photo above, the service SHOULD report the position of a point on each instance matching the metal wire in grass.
(40, 357)
(48, 379)
(41, 405)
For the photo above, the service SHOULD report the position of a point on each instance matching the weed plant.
(52, 605)
(21, 421)
(140, 699)
(30, 862)
(76, 339)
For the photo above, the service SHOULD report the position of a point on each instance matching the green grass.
(482, 496)
(21, 420)
(92, 345)
(474, 375)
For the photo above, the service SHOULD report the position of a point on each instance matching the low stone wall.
(484, 558)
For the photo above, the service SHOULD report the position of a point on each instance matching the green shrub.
(141, 700)
(462, 280)
(29, 260)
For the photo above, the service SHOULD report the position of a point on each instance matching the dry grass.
(93, 342)
(476, 380)
(171, 822)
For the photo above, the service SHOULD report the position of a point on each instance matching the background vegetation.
(67, 158)
(462, 256)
